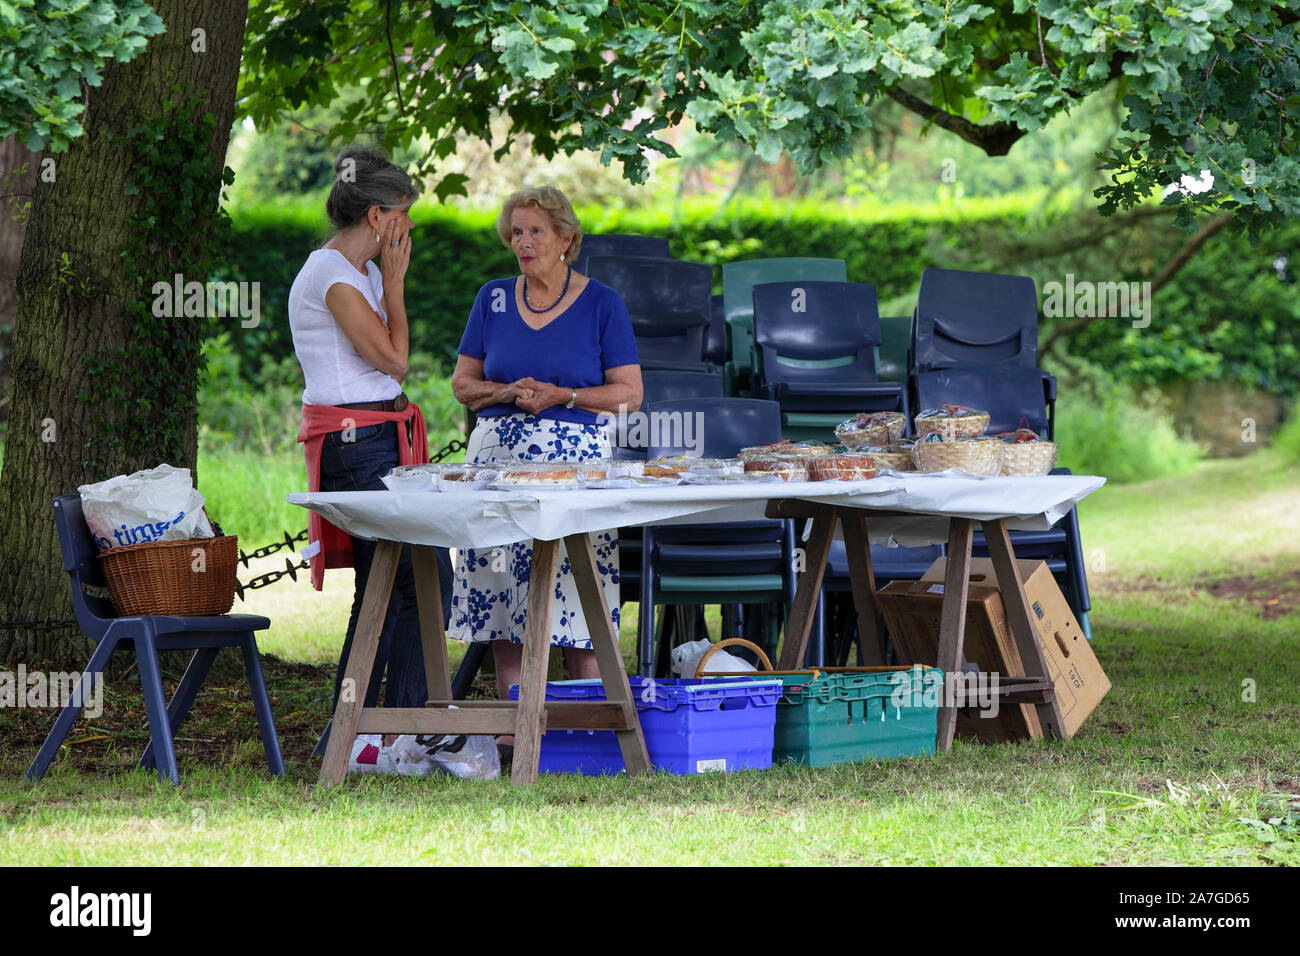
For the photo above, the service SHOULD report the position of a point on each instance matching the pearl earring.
(561, 256)
(376, 237)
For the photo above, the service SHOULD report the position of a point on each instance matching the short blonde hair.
(558, 209)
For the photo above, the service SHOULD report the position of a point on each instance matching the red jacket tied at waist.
(317, 422)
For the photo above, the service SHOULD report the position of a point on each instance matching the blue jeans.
(357, 466)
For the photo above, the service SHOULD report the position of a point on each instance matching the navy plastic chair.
(975, 318)
(715, 342)
(659, 386)
(733, 563)
(614, 244)
(1011, 396)
(738, 281)
(815, 353)
(147, 635)
(669, 302)
(1008, 394)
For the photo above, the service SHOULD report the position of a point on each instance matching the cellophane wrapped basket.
(950, 422)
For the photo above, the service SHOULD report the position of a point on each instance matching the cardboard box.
(1078, 677)
(911, 610)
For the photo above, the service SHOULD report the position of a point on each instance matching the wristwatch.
(573, 398)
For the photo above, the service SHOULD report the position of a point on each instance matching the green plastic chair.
(738, 281)
(891, 358)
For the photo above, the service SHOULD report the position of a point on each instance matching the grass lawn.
(1191, 759)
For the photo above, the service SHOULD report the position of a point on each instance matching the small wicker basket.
(885, 428)
(972, 457)
(894, 460)
(951, 427)
(170, 577)
(1028, 457)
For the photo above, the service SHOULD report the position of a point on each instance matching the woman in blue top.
(543, 355)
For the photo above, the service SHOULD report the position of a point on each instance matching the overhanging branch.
(996, 139)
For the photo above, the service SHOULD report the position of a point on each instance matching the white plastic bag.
(157, 504)
(686, 658)
(469, 756)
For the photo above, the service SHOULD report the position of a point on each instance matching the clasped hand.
(532, 396)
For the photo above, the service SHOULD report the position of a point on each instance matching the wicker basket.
(951, 427)
(163, 577)
(972, 457)
(894, 460)
(887, 429)
(1028, 457)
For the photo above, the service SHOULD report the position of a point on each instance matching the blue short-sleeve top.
(573, 351)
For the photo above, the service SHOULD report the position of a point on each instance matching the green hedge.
(1228, 314)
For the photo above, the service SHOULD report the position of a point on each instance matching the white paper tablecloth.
(485, 519)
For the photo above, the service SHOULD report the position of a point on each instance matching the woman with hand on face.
(543, 355)
(350, 333)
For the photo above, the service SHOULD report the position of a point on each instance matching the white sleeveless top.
(336, 374)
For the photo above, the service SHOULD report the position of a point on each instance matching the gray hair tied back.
(365, 177)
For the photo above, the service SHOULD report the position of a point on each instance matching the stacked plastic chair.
(815, 353)
(734, 563)
(975, 342)
(614, 244)
(658, 386)
(670, 303)
(738, 281)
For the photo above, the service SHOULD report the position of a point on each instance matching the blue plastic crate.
(690, 726)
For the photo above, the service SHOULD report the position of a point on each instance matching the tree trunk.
(17, 190)
(72, 317)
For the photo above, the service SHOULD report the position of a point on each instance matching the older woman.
(350, 333)
(543, 355)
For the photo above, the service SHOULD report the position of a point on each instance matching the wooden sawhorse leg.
(861, 576)
(530, 717)
(952, 627)
(361, 661)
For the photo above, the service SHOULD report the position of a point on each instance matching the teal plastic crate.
(855, 715)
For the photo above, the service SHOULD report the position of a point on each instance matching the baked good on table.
(848, 467)
(535, 473)
(796, 449)
(787, 468)
(871, 428)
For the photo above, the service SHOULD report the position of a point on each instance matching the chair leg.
(262, 705)
(146, 654)
(195, 674)
(463, 679)
(68, 716)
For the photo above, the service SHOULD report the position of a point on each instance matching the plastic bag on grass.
(686, 658)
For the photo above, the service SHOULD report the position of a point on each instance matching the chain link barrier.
(262, 580)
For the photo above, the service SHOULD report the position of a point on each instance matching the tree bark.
(86, 214)
(17, 189)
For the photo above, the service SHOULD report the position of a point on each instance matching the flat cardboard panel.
(911, 610)
(1079, 679)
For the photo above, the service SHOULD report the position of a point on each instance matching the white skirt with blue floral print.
(490, 594)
